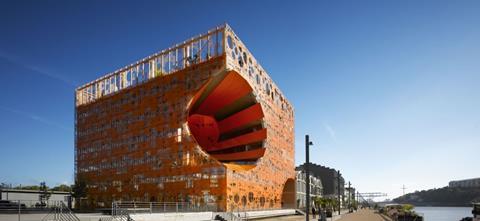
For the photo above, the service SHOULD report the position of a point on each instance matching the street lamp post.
(308, 143)
(349, 204)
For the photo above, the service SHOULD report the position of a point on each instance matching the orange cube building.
(200, 122)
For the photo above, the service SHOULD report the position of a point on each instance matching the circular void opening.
(226, 120)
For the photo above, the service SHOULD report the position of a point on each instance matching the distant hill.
(446, 196)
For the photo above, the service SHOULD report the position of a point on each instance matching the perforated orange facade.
(201, 122)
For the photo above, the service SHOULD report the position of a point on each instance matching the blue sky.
(388, 90)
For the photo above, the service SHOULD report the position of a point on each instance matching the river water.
(444, 213)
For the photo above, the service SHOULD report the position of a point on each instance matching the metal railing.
(120, 215)
(121, 210)
(195, 50)
(35, 210)
(132, 207)
(27, 205)
(60, 212)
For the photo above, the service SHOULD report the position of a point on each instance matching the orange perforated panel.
(217, 132)
(136, 145)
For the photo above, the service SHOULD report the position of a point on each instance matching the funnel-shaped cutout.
(227, 121)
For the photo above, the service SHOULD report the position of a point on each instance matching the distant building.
(475, 182)
(332, 184)
(350, 195)
(316, 188)
(32, 196)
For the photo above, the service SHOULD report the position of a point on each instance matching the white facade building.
(473, 183)
(32, 196)
(316, 188)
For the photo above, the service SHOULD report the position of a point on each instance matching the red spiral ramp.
(226, 120)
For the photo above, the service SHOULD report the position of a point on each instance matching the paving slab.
(363, 215)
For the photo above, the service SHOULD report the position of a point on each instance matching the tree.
(44, 193)
(62, 187)
(327, 203)
(33, 187)
(407, 207)
(322, 202)
(79, 190)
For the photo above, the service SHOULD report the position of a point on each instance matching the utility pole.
(338, 184)
(403, 188)
(308, 143)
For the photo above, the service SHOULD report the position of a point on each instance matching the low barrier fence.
(120, 208)
(19, 206)
(35, 210)
(133, 207)
(160, 207)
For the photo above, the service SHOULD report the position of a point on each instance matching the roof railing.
(219, 41)
(193, 51)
